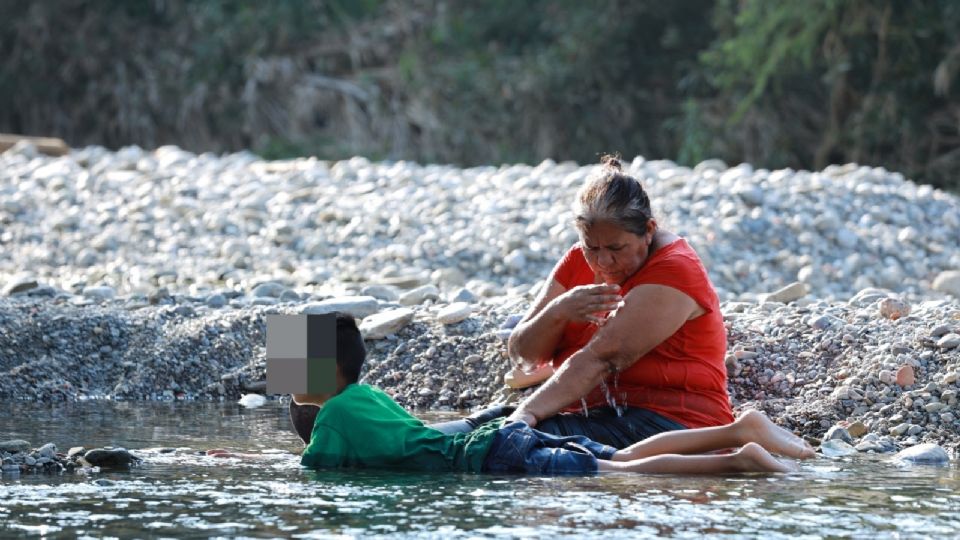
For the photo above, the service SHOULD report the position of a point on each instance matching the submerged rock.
(927, 453)
(836, 448)
(14, 445)
(110, 458)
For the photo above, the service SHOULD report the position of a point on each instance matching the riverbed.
(179, 492)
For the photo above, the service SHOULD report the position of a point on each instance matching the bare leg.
(751, 458)
(752, 426)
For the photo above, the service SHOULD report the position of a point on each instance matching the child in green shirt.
(361, 426)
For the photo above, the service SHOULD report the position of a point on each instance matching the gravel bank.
(147, 275)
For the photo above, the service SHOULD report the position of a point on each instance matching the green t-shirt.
(363, 427)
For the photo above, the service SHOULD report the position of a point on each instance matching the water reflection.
(181, 493)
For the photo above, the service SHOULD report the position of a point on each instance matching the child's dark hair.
(350, 350)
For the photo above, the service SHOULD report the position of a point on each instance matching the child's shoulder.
(356, 393)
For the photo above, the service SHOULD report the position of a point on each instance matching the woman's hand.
(522, 416)
(584, 303)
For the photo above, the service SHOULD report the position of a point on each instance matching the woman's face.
(613, 253)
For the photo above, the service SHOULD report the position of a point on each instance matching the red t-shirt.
(684, 378)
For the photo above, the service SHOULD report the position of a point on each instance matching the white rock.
(454, 313)
(836, 448)
(23, 148)
(420, 295)
(19, 284)
(269, 289)
(791, 292)
(516, 260)
(949, 341)
(357, 306)
(102, 292)
(252, 401)
(449, 277)
(926, 453)
(381, 325)
(464, 295)
(847, 238)
(48, 450)
(948, 282)
(893, 308)
(381, 292)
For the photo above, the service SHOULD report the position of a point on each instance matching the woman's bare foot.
(753, 458)
(754, 426)
(518, 378)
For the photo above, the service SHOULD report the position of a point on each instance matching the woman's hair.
(614, 197)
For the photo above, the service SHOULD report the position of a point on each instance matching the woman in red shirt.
(631, 323)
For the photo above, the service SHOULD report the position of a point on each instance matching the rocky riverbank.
(147, 275)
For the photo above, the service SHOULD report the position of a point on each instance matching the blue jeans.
(518, 448)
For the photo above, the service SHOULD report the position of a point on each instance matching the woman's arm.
(535, 339)
(650, 314)
(536, 335)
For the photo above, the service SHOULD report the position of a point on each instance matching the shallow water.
(184, 494)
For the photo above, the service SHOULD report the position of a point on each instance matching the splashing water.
(611, 400)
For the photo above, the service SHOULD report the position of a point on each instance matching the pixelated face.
(614, 254)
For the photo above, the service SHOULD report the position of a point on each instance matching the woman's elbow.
(609, 359)
(518, 349)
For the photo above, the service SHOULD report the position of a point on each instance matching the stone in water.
(252, 401)
(927, 453)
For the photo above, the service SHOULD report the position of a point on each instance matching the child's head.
(350, 356)
(350, 351)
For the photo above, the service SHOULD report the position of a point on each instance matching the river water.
(184, 494)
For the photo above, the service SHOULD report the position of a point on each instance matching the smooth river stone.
(905, 376)
(14, 445)
(791, 292)
(949, 341)
(836, 448)
(381, 292)
(381, 325)
(19, 284)
(893, 308)
(926, 453)
(358, 306)
(454, 313)
(110, 457)
(270, 289)
(420, 295)
(838, 433)
(100, 292)
(948, 282)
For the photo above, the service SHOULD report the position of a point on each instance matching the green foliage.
(773, 82)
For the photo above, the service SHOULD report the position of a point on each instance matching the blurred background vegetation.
(777, 83)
